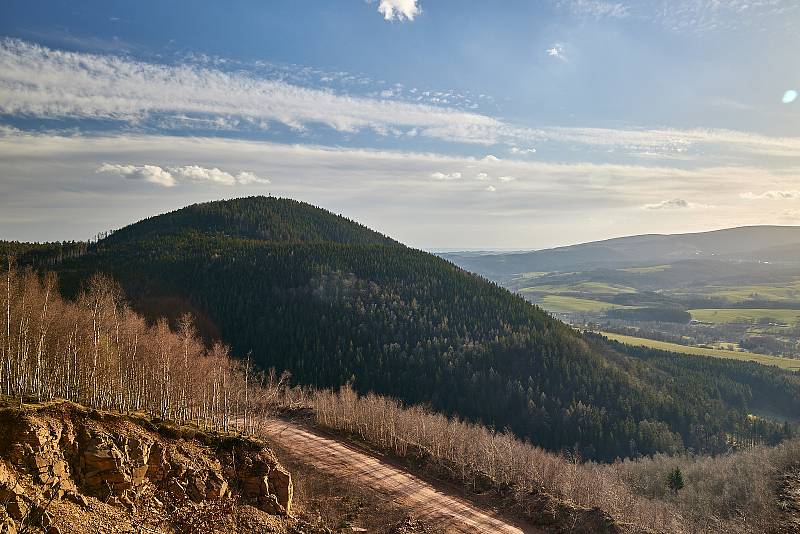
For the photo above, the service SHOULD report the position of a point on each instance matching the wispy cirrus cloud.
(772, 195)
(39, 82)
(597, 9)
(691, 16)
(171, 176)
(673, 204)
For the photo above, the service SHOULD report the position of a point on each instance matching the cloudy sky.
(447, 124)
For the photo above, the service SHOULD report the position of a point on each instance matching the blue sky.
(447, 124)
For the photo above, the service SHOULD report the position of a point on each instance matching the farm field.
(745, 315)
(785, 363)
(567, 304)
(774, 292)
(598, 288)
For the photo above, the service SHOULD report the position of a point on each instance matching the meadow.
(746, 315)
(567, 304)
(784, 363)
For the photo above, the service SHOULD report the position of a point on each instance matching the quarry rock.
(114, 460)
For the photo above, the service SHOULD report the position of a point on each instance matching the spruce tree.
(675, 480)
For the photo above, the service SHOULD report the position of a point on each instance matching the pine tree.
(675, 480)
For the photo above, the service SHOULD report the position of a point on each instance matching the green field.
(599, 288)
(748, 315)
(778, 291)
(652, 269)
(566, 304)
(785, 363)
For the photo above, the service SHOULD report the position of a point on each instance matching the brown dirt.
(436, 507)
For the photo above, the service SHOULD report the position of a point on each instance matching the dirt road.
(448, 512)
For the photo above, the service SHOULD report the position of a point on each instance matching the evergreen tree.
(675, 480)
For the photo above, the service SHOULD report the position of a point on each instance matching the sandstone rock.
(74, 457)
(8, 526)
(280, 484)
(77, 498)
(216, 486)
(17, 507)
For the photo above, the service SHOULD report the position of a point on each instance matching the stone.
(77, 498)
(216, 486)
(16, 507)
(280, 484)
(8, 526)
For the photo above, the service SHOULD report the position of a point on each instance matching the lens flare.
(789, 96)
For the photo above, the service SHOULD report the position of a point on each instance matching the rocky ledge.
(131, 473)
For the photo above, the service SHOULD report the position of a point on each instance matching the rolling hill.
(747, 243)
(334, 302)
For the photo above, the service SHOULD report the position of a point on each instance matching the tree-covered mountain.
(334, 302)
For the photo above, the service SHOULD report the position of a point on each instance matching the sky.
(446, 124)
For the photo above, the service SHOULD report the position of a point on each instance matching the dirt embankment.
(65, 469)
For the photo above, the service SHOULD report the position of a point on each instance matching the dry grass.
(730, 493)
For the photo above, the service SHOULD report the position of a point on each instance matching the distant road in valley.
(437, 508)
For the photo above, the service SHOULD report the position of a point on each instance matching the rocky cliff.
(67, 469)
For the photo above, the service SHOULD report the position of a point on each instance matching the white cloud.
(556, 51)
(170, 177)
(522, 151)
(491, 188)
(149, 173)
(491, 158)
(673, 204)
(399, 9)
(446, 177)
(506, 178)
(248, 178)
(389, 190)
(771, 195)
(482, 176)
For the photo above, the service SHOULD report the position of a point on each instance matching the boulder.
(280, 485)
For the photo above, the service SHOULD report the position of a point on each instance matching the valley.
(730, 293)
(235, 315)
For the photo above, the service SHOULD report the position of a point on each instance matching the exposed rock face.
(75, 454)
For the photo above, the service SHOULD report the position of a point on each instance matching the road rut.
(435, 507)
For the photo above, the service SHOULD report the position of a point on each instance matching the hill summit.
(259, 218)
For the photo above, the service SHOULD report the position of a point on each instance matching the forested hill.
(261, 218)
(332, 301)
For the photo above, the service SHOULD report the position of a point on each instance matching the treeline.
(98, 352)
